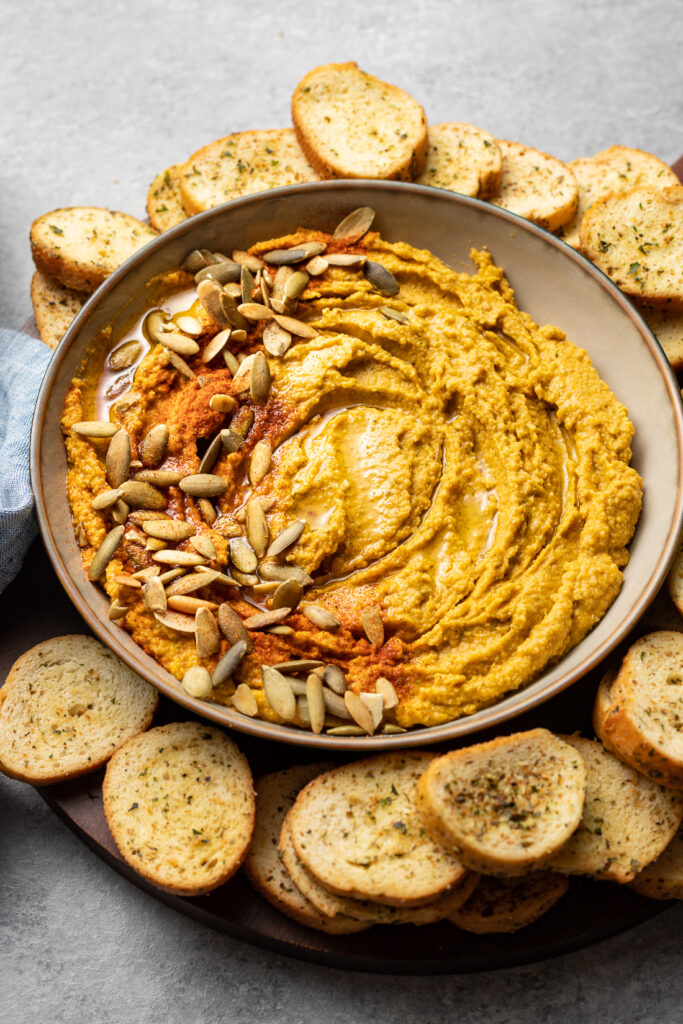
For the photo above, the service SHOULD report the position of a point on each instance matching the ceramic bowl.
(552, 282)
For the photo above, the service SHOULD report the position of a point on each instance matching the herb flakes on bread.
(54, 307)
(508, 904)
(536, 186)
(464, 159)
(164, 200)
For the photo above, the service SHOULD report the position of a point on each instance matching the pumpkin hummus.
(459, 469)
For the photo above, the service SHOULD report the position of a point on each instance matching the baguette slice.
(640, 713)
(462, 158)
(240, 164)
(506, 806)
(613, 170)
(352, 125)
(179, 801)
(54, 307)
(536, 186)
(508, 904)
(668, 329)
(275, 794)
(164, 202)
(80, 246)
(356, 830)
(627, 820)
(67, 705)
(674, 581)
(336, 907)
(636, 238)
(663, 878)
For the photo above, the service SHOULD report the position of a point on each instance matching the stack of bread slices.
(348, 124)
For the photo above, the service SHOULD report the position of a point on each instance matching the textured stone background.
(96, 100)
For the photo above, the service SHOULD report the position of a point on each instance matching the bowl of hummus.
(359, 465)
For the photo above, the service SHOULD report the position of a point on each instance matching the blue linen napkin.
(22, 364)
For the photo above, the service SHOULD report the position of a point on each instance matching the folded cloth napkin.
(22, 365)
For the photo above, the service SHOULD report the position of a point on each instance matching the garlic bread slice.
(667, 326)
(536, 186)
(164, 201)
(508, 904)
(464, 159)
(54, 307)
(663, 878)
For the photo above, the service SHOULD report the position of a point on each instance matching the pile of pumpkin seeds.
(237, 292)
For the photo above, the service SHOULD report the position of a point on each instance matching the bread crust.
(507, 904)
(54, 307)
(462, 158)
(164, 200)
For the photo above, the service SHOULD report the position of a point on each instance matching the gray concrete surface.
(96, 100)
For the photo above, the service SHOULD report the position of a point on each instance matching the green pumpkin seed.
(359, 712)
(257, 527)
(318, 265)
(154, 595)
(287, 595)
(179, 364)
(216, 345)
(242, 556)
(372, 624)
(299, 665)
(321, 617)
(273, 571)
(221, 273)
(335, 704)
(222, 403)
(335, 679)
(244, 701)
(345, 259)
(278, 693)
(170, 557)
(119, 513)
(197, 259)
(316, 702)
(179, 343)
(95, 428)
(286, 538)
(276, 340)
(197, 682)
(159, 477)
(210, 457)
(176, 621)
(125, 355)
(390, 729)
(242, 379)
(247, 284)
(394, 314)
(105, 553)
(173, 530)
(209, 294)
(345, 730)
(386, 689)
(189, 325)
(380, 278)
(117, 611)
(228, 663)
(152, 449)
(260, 461)
(208, 512)
(231, 440)
(262, 619)
(297, 327)
(244, 579)
(105, 499)
(245, 259)
(279, 257)
(141, 495)
(296, 285)
(255, 311)
(206, 636)
(259, 383)
(190, 583)
(203, 485)
(204, 545)
(231, 312)
(232, 626)
(117, 462)
(354, 225)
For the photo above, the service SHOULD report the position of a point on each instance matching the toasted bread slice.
(179, 801)
(240, 164)
(67, 704)
(663, 878)
(508, 904)
(54, 307)
(613, 170)
(336, 907)
(667, 327)
(463, 159)
(506, 806)
(356, 830)
(627, 820)
(80, 246)
(275, 794)
(640, 714)
(674, 581)
(164, 202)
(536, 186)
(636, 238)
(352, 125)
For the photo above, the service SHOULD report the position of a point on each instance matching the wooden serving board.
(35, 607)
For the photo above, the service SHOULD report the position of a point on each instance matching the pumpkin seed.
(262, 619)
(228, 663)
(221, 273)
(117, 462)
(179, 343)
(206, 636)
(170, 575)
(278, 693)
(254, 311)
(222, 403)
(335, 679)
(217, 577)
(155, 545)
(232, 626)
(105, 499)
(359, 712)
(354, 225)
(244, 579)
(335, 704)
(197, 259)
(188, 584)
(155, 325)
(242, 556)
(171, 557)
(216, 345)
(260, 461)
(274, 571)
(280, 630)
(141, 495)
(297, 327)
(371, 621)
(321, 617)
(316, 702)
(242, 379)
(230, 361)
(179, 364)
(394, 314)
(299, 665)
(233, 290)
(276, 340)
(287, 595)
(391, 729)
(242, 421)
(385, 688)
(318, 265)
(374, 702)
(153, 447)
(145, 574)
(210, 457)
(173, 530)
(205, 546)
(244, 701)
(209, 294)
(231, 440)
(247, 284)
(82, 536)
(296, 285)
(380, 278)
(257, 527)
(230, 311)
(119, 513)
(159, 477)
(140, 516)
(189, 325)
(197, 682)
(345, 259)
(154, 595)
(117, 611)
(203, 485)
(125, 355)
(286, 538)
(245, 259)
(208, 512)
(277, 295)
(279, 257)
(105, 553)
(259, 384)
(345, 730)
(264, 589)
